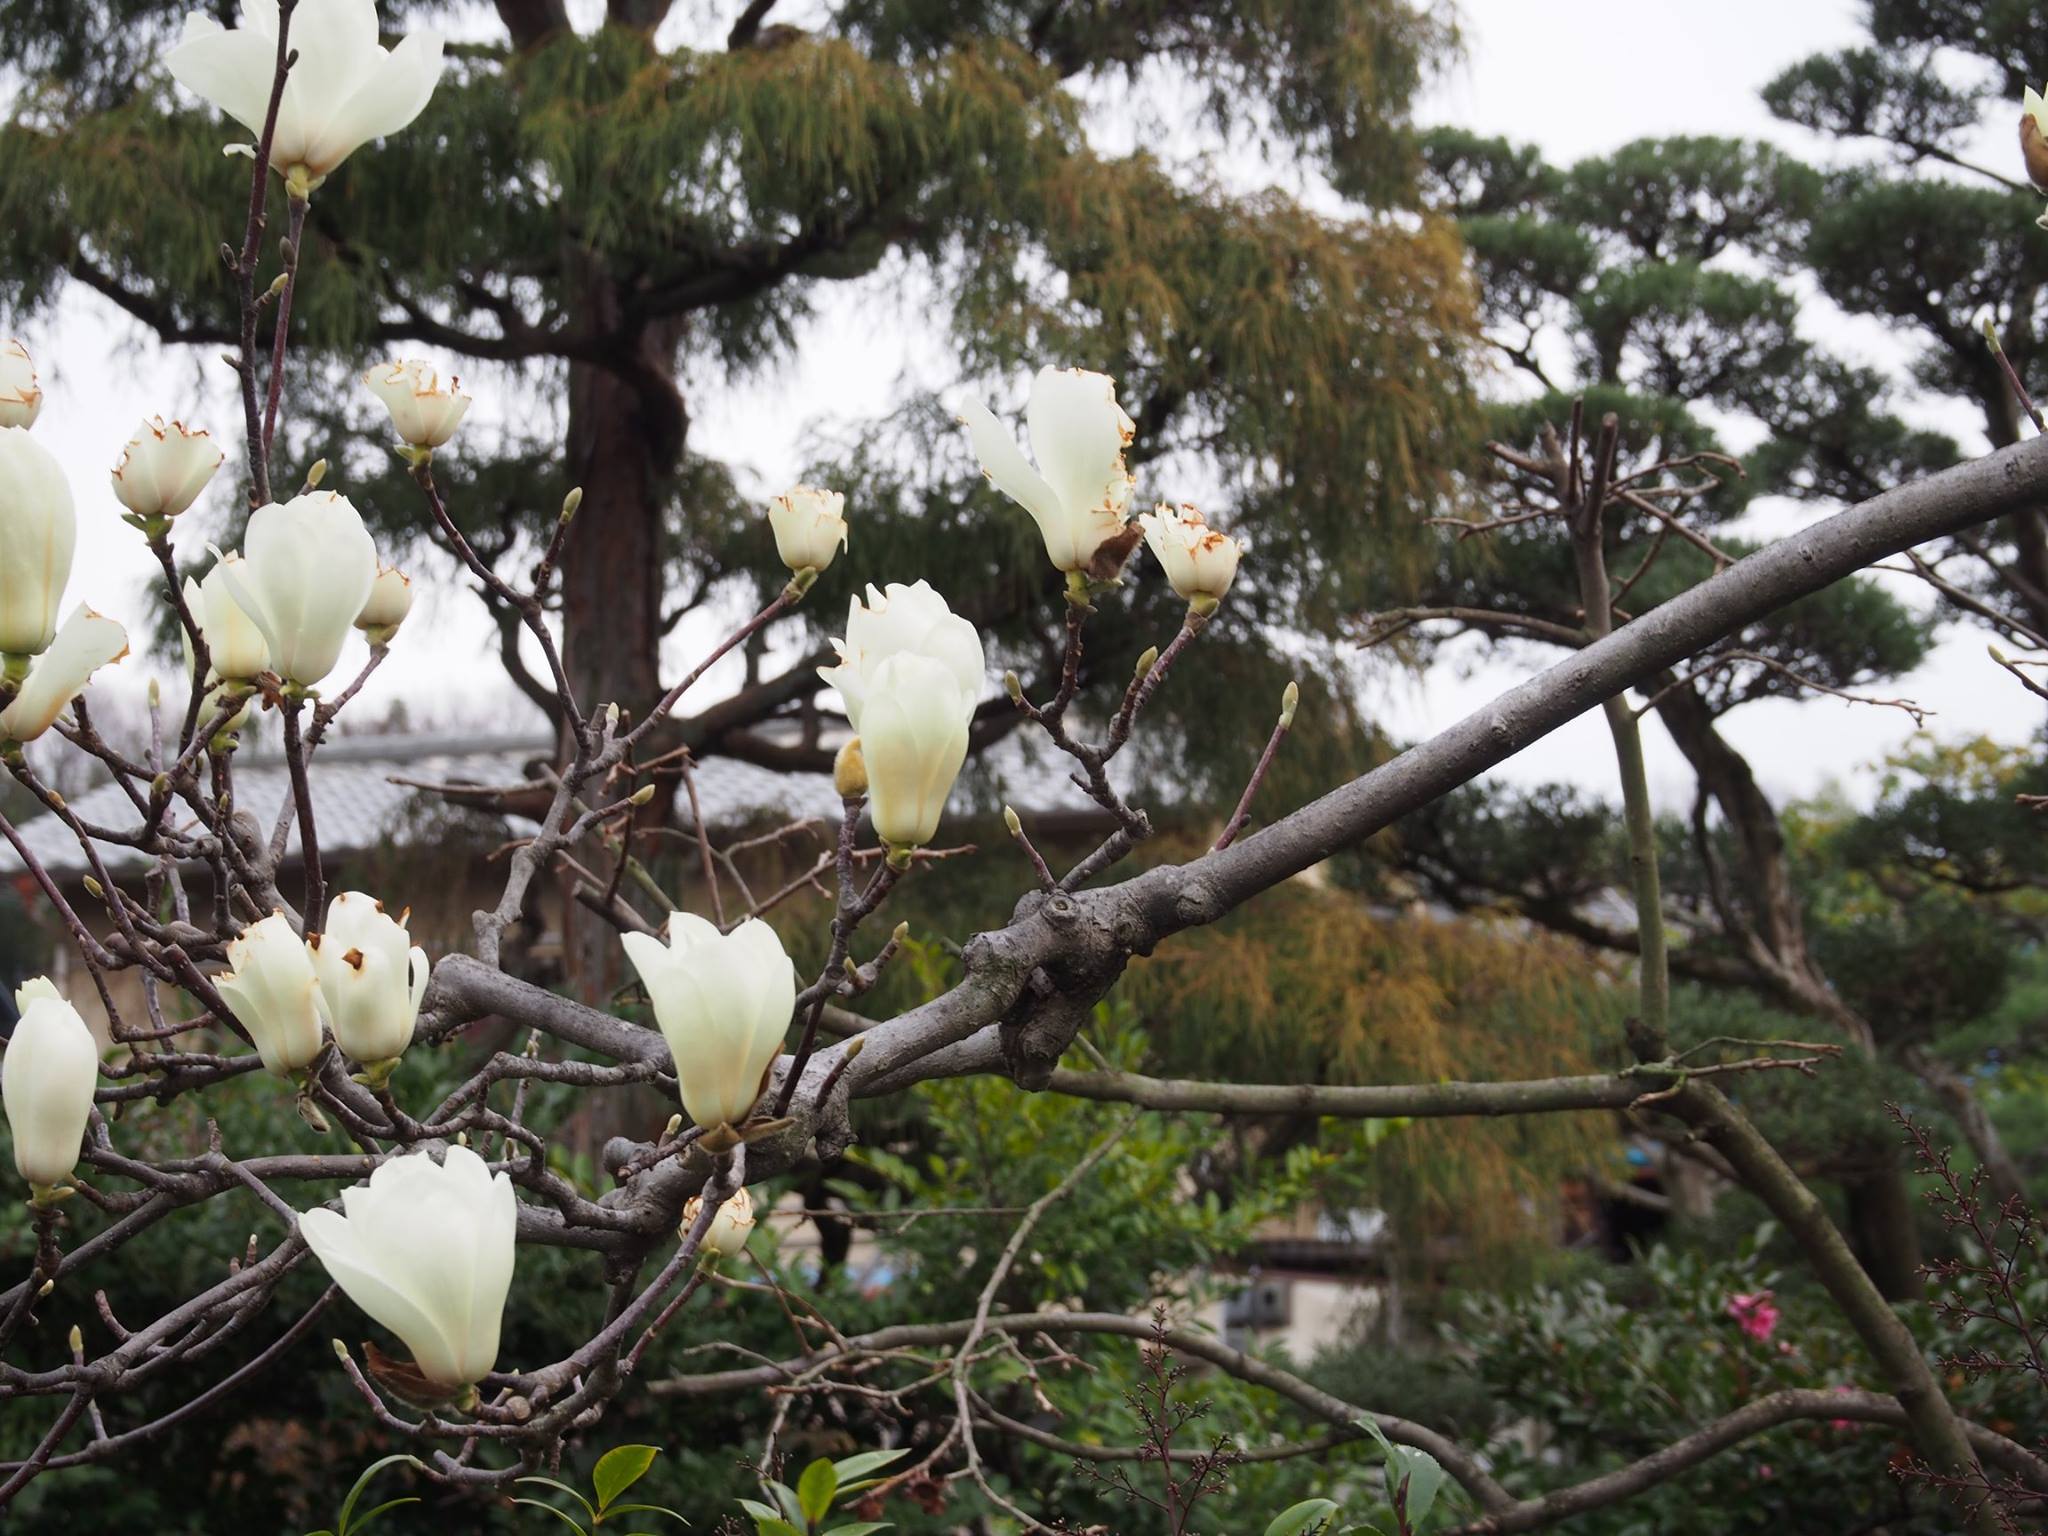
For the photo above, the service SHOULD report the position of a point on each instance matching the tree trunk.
(1882, 1228)
(626, 430)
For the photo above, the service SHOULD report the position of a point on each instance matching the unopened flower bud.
(571, 502)
(809, 527)
(1014, 687)
(641, 795)
(1288, 701)
(1146, 663)
(316, 474)
(1013, 821)
(850, 771)
(425, 410)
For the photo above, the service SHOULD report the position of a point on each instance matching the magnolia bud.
(47, 1078)
(94, 889)
(675, 1124)
(571, 502)
(425, 411)
(809, 526)
(372, 980)
(1288, 700)
(390, 600)
(1146, 663)
(1013, 821)
(1014, 687)
(850, 771)
(728, 1231)
(405, 1234)
(274, 993)
(641, 795)
(316, 474)
(723, 1002)
(77, 1340)
(308, 566)
(1199, 562)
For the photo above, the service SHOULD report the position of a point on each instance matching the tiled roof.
(360, 805)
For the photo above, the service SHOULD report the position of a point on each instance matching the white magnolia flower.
(235, 647)
(810, 527)
(1080, 490)
(372, 978)
(307, 569)
(426, 1249)
(38, 531)
(913, 737)
(425, 408)
(21, 397)
(723, 1002)
(164, 468)
(904, 619)
(345, 90)
(729, 1229)
(87, 642)
(1199, 561)
(389, 602)
(275, 995)
(47, 1080)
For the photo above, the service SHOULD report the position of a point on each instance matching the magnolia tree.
(326, 993)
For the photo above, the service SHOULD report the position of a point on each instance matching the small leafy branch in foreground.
(616, 1471)
(1164, 1416)
(802, 1510)
(1413, 1481)
(1993, 1295)
(346, 1523)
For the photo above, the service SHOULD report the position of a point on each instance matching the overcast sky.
(1576, 76)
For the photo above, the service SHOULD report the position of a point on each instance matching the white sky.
(1576, 76)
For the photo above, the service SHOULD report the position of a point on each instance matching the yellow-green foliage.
(1307, 985)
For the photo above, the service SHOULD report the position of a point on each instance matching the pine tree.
(1661, 283)
(616, 213)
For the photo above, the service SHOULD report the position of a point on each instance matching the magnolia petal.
(233, 70)
(1078, 435)
(86, 643)
(1011, 473)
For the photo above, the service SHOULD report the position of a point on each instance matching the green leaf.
(816, 1489)
(859, 1528)
(543, 1504)
(1424, 1480)
(774, 1525)
(1310, 1515)
(619, 1469)
(561, 1487)
(759, 1510)
(852, 1468)
(784, 1495)
(348, 1505)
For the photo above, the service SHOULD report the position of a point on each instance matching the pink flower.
(1755, 1313)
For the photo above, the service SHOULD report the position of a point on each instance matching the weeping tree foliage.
(1398, 998)
(620, 217)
